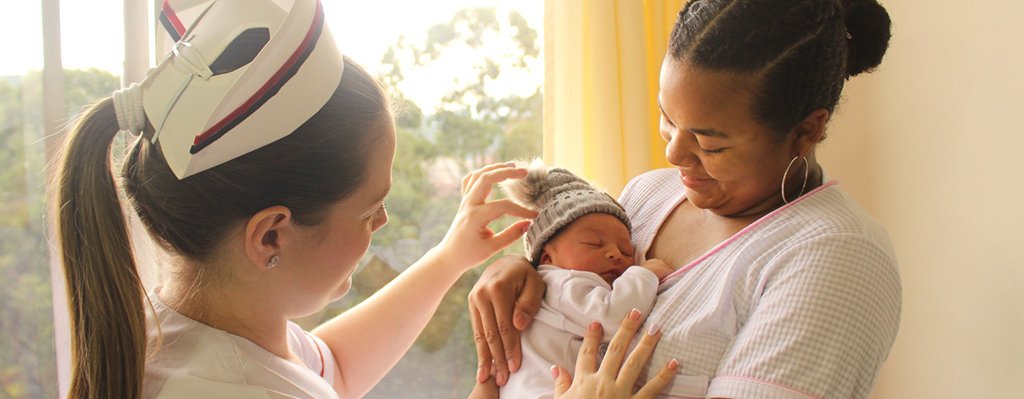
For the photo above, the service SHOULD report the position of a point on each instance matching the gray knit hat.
(560, 198)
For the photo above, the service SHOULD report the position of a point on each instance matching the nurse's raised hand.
(617, 375)
(470, 240)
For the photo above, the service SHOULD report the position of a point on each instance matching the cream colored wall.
(932, 144)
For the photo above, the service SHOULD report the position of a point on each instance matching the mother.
(784, 287)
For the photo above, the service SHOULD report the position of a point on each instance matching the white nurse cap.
(243, 75)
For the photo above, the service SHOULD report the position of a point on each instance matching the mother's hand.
(610, 381)
(503, 303)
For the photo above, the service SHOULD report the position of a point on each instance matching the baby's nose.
(616, 256)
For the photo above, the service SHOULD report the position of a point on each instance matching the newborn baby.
(580, 244)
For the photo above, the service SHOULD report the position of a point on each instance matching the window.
(28, 358)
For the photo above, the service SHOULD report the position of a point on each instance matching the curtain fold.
(602, 61)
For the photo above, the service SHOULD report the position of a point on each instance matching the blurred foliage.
(470, 128)
(27, 358)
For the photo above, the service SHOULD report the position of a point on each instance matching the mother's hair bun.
(869, 28)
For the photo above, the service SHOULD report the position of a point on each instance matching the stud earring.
(273, 262)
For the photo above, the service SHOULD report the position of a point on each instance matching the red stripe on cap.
(281, 72)
(173, 18)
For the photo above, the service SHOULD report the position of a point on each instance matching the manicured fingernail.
(653, 330)
(481, 374)
(634, 314)
(595, 326)
(673, 364)
(513, 365)
(510, 163)
(502, 378)
(554, 371)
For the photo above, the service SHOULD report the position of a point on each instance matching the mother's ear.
(265, 233)
(810, 131)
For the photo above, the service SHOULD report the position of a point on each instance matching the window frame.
(138, 20)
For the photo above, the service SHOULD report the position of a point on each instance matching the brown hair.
(800, 51)
(320, 163)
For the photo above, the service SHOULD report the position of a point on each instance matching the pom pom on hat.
(527, 191)
(560, 197)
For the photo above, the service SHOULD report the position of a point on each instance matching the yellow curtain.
(602, 60)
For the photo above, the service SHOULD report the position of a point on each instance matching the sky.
(91, 37)
(383, 21)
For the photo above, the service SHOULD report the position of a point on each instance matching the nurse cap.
(244, 74)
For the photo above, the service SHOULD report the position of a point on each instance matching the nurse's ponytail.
(308, 171)
(105, 294)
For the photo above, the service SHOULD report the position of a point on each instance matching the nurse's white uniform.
(194, 360)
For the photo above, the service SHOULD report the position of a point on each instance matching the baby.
(580, 244)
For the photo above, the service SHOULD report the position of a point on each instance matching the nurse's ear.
(266, 233)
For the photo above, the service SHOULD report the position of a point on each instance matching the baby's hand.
(659, 267)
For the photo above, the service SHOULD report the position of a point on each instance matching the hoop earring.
(273, 262)
(807, 172)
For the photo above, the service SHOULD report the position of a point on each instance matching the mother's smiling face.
(730, 164)
(748, 86)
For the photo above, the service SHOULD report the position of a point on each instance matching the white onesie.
(573, 300)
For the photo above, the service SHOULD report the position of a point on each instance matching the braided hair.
(800, 52)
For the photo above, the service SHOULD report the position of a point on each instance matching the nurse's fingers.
(655, 385)
(562, 380)
(477, 192)
(639, 356)
(498, 208)
(617, 348)
(471, 177)
(586, 361)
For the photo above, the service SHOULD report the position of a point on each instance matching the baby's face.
(597, 242)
